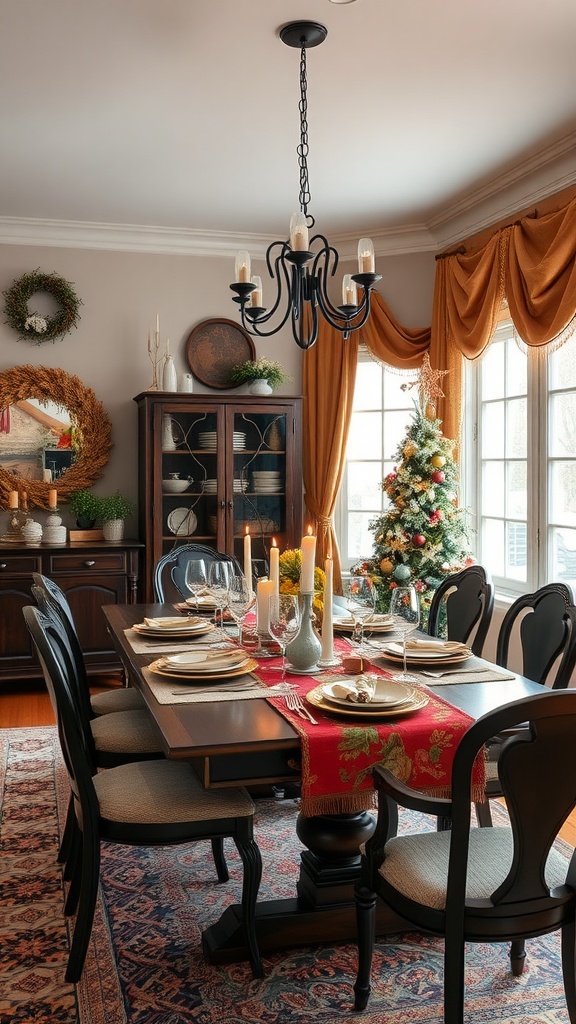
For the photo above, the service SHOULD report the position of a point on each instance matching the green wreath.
(31, 326)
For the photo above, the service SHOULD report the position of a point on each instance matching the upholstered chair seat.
(106, 703)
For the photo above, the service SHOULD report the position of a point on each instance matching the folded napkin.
(172, 623)
(358, 691)
(204, 659)
(379, 620)
(445, 646)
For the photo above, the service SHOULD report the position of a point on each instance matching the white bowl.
(175, 486)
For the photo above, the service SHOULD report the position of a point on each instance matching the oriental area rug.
(145, 964)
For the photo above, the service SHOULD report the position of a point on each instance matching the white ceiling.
(182, 115)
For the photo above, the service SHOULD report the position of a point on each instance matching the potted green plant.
(264, 375)
(84, 506)
(113, 509)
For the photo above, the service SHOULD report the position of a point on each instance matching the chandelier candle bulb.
(52, 498)
(13, 499)
(308, 562)
(242, 269)
(256, 295)
(299, 232)
(248, 558)
(349, 291)
(366, 262)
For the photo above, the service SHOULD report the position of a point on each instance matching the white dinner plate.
(388, 693)
(377, 624)
(192, 676)
(205, 662)
(204, 601)
(182, 522)
(317, 699)
(181, 633)
(393, 651)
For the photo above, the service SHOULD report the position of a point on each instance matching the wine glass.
(241, 598)
(195, 577)
(219, 574)
(360, 596)
(284, 613)
(405, 611)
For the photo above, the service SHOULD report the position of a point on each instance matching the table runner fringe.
(351, 803)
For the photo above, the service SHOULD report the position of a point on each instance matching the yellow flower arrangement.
(290, 568)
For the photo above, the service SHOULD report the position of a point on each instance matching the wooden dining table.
(249, 743)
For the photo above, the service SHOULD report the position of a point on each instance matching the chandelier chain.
(303, 147)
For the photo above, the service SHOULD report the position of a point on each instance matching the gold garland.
(87, 415)
(31, 326)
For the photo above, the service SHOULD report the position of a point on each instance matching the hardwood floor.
(29, 704)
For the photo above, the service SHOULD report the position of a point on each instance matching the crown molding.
(538, 177)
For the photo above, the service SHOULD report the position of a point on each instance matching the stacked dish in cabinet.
(267, 481)
(208, 440)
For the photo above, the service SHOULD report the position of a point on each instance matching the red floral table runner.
(338, 754)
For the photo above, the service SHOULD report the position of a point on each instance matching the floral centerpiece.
(259, 370)
(290, 569)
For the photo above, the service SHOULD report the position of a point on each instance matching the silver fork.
(294, 703)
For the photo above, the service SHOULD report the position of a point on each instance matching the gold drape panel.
(329, 375)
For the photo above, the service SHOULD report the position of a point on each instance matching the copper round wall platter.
(214, 347)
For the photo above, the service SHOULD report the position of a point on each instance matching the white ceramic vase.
(113, 529)
(169, 376)
(260, 387)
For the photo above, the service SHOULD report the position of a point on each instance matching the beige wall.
(121, 295)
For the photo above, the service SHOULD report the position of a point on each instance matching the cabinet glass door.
(259, 482)
(193, 498)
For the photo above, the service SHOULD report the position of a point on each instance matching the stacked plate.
(374, 624)
(205, 666)
(391, 697)
(240, 485)
(208, 440)
(267, 481)
(210, 486)
(174, 628)
(428, 651)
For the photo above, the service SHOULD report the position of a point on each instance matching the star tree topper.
(427, 382)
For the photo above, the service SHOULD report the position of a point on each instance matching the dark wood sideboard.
(90, 574)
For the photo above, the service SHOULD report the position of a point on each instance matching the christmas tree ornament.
(401, 573)
(438, 476)
(419, 540)
(438, 461)
(386, 566)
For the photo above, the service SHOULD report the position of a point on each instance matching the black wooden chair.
(482, 884)
(462, 607)
(170, 570)
(145, 803)
(545, 624)
(54, 598)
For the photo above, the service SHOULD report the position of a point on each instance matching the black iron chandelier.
(303, 263)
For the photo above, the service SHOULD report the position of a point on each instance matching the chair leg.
(517, 957)
(90, 875)
(454, 979)
(366, 925)
(73, 853)
(64, 849)
(568, 968)
(483, 814)
(71, 904)
(252, 863)
(220, 860)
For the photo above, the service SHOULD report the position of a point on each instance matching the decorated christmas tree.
(421, 538)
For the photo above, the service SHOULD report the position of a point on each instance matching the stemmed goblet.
(405, 611)
(195, 577)
(360, 596)
(284, 622)
(241, 598)
(219, 574)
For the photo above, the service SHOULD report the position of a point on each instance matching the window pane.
(516, 551)
(492, 372)
(364, 490)
(516, 369)
(562, 366)
(493, 489)
(365, 437)
(492, 438)
(395, 424)
(360, 537)
(563, 554)
(368, 388)
(563, 424)
(394, 397)
(493, 545)
(562, 503)
(516, 428)
(516, 490)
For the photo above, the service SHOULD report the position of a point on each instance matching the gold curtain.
(329, 375)
(531, 263)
